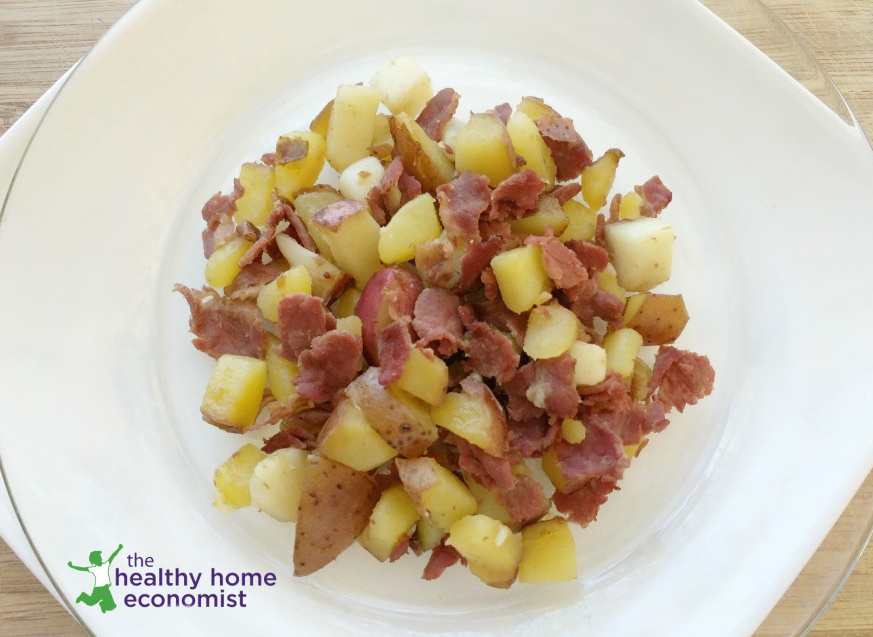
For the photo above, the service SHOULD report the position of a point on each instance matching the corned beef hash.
(463, 309)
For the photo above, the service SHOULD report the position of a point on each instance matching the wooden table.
(40, 39)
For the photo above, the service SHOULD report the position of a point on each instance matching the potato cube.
(630, 205)
(352, 234)
(414, 224)
(439, 494)
(622, 347)
(608, 281)
(276, 484)
(256, 201)
(281, 373)
(360, 177)
(351, 324)
(392, 520)
(403, 86)
(597, 179)
(573, 430)
(487, 504)
(222, 266)
(351, 126)
(232, 478)
(492, 551)
(429, 535)
(641, 251)
(326, 277)
(581, 222)
(320, 123)
(549, 552)
(529, 144)
(348, 438)
(483, 146)
(659, 318)
(590, 361)
(425, 376)
(475, 415)
(295, 280)
(307, 204)
(551, 466)
(551, 330)
(383, 143)
(422, 157)
(640, 381)
(521, 277)
(345, 305)
(535, 108)
(299, 161)
(233, 395)
(549, 214)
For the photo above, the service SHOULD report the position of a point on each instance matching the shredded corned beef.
(560, 262)
(517, 195)
(301, 318)
(438, 112)
(328, 366)
(395, 346)
(253, 277)
(569, 150)
(531, 437)
(222, 325)
(218, 215)
(476, 258)
(441, 558)
(552, 387)
(581, 505)
(436, 321)
(680, 378)
(461, 202)
(656, 196)
(491, 352)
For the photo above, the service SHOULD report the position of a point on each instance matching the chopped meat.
(491, 352)
(437, 322)
(593, 257)
(267, 235)
(526, 501)
(560, 262)
(476, 258)
(329, 365)
(441, 558)
(333, 215)
(461, 202)
(222, 325)
(490, 471)
(519, 407)
(517, 195)
(438, 112)
(569, 150)
(531, 437)
(253, 277)
(502, 111)
(400, 549)
(302, 317)
(395, 346)
(566, 192)
(581, 505)
(552, 387)
(680, 377)
(218, 215)
(600, 455)
(293, 437)
(438, 263)
(656, 196)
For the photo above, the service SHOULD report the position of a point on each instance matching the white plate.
(102, 441)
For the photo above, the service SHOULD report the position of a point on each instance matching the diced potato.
(551, 466)
(345, 305)
(326, 277)
(222, 266)
(590, 359)
(487, 504)
(319, 125)
(529, 144)
(597, 179)
(439, 494)
(414, 224)
(640, 381)
(351, 126)
(383, 143)
(233, 395)
(492, 551)
(295, 280)
(425, 376)
(256, 201)
(630, 205)
(281, 373)
(551, 330)
(348, 438)
(429, 535)
(299, 161)
(581, 222)
(403, 86)
(422, 157)
(307, 204)
(535, 108)
(622, 347)
(351, 324)
(549, 552)
(483, 146)
(392, 520)
(659, 318)
(335, 507)
(403, 421)
(573, 430)
(549, 214)
(276, 484)
(475, 415)
(641, 251)
(521, 277)
(232, 478)
(360, 177)
(352, 234)
(608, 281)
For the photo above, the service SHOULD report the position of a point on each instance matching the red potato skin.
(387, 296)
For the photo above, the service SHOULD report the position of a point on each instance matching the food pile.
(458, 307)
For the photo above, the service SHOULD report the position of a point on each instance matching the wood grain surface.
(40, 39)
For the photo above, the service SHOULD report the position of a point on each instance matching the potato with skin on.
(474, 414)
(641, 251)
(351, 125)
(299, 161)
(422, 157)
(597, 179)
(549, 552)
(347, 437)
(327, 278)
(492, 551)
(414, 224)
(393, 519)
(233, 394)
(335, 507)
(256, 201)
(401, 419)
(276, 485)
(439, 495)
(425, 376)
(521, 277)
(659, 318)
(551, 330)
(352, 234)
(483, 146)
(528, 144)
(231, 478)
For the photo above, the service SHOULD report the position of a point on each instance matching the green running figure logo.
(100, 570)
